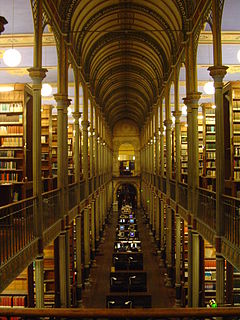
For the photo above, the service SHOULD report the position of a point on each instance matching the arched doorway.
(127, 194)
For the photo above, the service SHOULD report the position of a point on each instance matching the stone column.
(162, 235)
(161, 144)
(156, 142)
(97, 221)
(91, 143)
(79, 258)
(157, 222)
(86, 245)
(178, 260)
(85, 138)
(96, 149)
(76, 115)
(93, 239)
(195, 269)
(37, 75)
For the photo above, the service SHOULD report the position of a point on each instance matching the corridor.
(94, 294)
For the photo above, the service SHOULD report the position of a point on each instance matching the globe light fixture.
(213, 106)
(184, 110)
(46, 90)
(12, 57)
(209, 88)
(238, 55)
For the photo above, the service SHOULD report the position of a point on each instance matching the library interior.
(120, 159)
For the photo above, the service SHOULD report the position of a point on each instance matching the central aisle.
(94, 295)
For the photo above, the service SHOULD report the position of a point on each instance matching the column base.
(86, 273)
(169, 280)
(162, 263)
(178, 295)
(79, 295)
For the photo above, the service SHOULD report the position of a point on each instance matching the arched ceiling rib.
(126, 49)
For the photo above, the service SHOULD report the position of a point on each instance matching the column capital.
(168, 123)
(218, 72)
(85, 124)
(76, 115)
(62, 99)
(37, 74)
(192, 99)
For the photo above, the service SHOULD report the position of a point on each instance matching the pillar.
(93, 239)
(86, 245)
(195, 269)
(79, 258)
(178, 260)
(85, 138)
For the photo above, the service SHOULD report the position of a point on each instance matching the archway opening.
(127, 194)
(126, 158)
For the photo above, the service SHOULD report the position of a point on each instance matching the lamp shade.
(46, 90)
(12, 57)
(209, 88)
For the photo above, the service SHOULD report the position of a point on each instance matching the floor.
(94, 295)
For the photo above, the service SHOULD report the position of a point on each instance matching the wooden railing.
(163, 313)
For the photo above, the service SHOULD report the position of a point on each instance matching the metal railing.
(164, 185)
(72, 192)
(82, 190)
(156, 313)
(173, 189)
(51, 207)
(90, 185)
(231, 209)
(16, 227)
(183, 195)
(206, 210)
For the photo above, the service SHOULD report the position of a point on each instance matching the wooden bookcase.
(209, 272)
(46, 141)
(70, 153)
(184, 154)
(208, 177)
(231, 103)
(54, 145)
(16, 109)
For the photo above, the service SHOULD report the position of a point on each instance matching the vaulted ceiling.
(126, 48)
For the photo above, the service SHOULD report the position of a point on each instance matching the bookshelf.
(184, 153)
(209, 272)
(46, 142)
(231, 103)
(184, 262)
(49, 276)
(15, 142)
(70, 153)
(54, 145)
(208, 177)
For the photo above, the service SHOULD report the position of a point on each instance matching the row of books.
(11, 118)
(11, 141)
(11, 130)
(236, 175)
(11, 107)
(7, 153)
(9, 176)
(8, 165)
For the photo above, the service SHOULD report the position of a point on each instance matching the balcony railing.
(231, 209)
(173, 189)
(51, 207)
(164, 185)
(82, 190)
(72, 199)
(206, 210)
(16, 227)
(183, 195)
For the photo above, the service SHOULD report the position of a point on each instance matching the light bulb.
(238, 55)
(213, 106)
(184, 110)
(209, 88)
(46, 90)
(12, 57)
